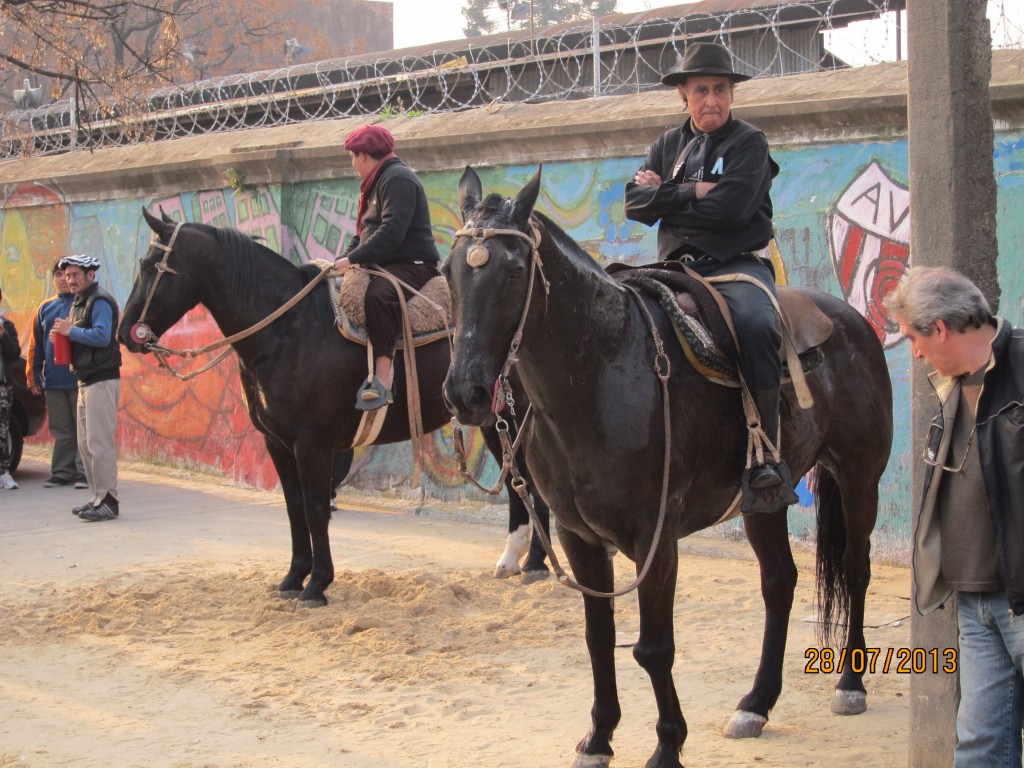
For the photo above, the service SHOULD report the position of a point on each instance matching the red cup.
(61, 349)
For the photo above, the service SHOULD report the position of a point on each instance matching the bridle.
(142, 334)
(662, 369)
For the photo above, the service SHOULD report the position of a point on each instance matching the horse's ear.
(526, 199)
(470, 192)
(163, 215)
(158, 226)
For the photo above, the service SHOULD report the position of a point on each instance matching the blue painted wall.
(842, 226)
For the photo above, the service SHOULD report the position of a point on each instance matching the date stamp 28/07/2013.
(902, 661)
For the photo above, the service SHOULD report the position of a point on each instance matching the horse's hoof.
(313, 602)
(290, 594)
(592, 761)
(529, 577)
(849, 702)
(744, 725)
(505, 572)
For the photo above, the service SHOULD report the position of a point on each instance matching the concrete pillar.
(953, 207)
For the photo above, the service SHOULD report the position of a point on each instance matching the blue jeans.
(991, 713)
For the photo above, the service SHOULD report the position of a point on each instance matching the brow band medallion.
(477, 256)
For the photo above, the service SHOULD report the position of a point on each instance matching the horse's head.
(163, 291)
(491, 271)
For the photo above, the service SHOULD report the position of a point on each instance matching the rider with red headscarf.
(393, 234)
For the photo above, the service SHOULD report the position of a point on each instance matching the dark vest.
(94, 364)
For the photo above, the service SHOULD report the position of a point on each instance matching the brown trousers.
(383, 309)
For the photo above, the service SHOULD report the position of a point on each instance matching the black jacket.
(94, 364)
(396, 224)
(1000, 441)
(10, 352)
(733, 218)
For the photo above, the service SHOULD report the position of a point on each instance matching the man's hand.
(647, 179)
(62, 326)
(35, 390)
(340, 265)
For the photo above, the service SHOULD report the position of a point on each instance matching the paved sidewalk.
(167, 514)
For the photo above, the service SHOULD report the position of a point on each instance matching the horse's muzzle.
(469, 401)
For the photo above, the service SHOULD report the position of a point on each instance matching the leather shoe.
(764, 476)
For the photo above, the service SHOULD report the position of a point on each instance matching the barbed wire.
(632, 51)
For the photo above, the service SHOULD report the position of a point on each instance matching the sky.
(421, 22)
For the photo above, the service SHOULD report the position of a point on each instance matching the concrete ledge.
(864, 104)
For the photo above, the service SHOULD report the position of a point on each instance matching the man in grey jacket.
(969, 537)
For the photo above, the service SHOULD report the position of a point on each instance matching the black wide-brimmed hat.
(710, 59)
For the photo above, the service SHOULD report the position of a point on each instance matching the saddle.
(430, 309)
(703, 331)
(426, 318)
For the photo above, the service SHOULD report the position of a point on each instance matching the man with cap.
(58, 384)
(393, 234)
(96, 361)
(706, 184)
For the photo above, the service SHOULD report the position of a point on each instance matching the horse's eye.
(515, 274)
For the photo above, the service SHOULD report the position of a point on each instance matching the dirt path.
(156, 641)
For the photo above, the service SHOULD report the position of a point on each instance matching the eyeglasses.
(952, 470)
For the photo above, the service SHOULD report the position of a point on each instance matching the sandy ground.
(156, 640)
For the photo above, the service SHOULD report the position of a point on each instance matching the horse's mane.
(494, 204)
(567, 245)
(245, 259)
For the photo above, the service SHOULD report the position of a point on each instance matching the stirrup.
(373, 395)
(774, 498)
(765, 476)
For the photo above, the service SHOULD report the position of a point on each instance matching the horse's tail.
(833, 589)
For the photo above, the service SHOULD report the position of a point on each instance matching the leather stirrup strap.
(412, 383)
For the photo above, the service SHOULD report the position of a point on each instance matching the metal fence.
(630, 53)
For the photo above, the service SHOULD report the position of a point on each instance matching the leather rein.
(143, 334)
(661, 367)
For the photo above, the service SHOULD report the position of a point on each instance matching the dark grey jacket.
(735, 217)
(1000, 440)
(94, 364)
(10, 352)
(396, 224)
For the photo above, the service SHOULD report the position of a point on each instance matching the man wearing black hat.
(706, 184)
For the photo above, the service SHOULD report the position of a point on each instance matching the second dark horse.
(597, 448)
(298, 374)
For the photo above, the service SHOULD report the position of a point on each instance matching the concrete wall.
(842, 214)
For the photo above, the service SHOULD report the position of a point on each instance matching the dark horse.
(298, 374)
(597, 447)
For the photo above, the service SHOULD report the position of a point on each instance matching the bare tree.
(106, 56)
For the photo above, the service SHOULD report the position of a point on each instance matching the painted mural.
(842, 219)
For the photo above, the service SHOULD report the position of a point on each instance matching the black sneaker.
(80, 509)
(105, 510)
(57, 482)
(81, 482)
